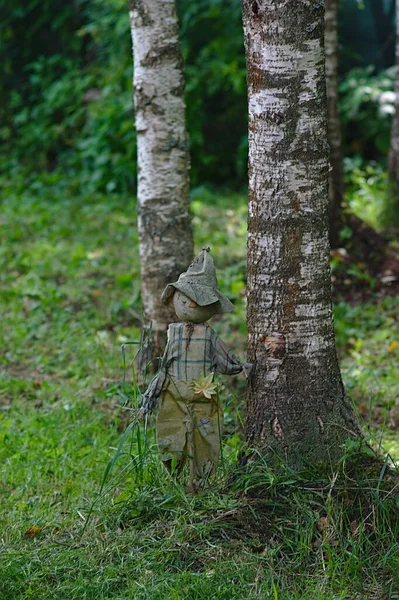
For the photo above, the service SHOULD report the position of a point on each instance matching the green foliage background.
(67, 105)
(66, 115)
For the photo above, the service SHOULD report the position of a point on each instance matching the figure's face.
(188, 311)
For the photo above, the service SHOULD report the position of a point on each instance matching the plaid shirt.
(191, 351)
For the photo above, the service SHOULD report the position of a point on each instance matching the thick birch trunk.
(336, 179)
(392, 208)
(164, 222)
(297, 406)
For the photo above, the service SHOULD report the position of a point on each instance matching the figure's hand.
(247, 368)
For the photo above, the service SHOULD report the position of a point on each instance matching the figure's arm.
(155, 387)
(152, 393)
(225, 360)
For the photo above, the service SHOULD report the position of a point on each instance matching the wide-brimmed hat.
(199, 283)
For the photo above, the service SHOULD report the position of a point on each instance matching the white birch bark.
(336, 179)
(297, 406)
(164, 222)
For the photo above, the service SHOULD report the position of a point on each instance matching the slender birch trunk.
(164, 222)
(392, 208)
(336, 179)
(297, 406)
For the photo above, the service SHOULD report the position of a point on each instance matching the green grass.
(368, 343)
(69, 297)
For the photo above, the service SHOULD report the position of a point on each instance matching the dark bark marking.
(171, 144)
(159, 54)
(139, 7)
(275, 345)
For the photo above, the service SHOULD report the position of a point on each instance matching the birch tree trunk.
(164, 222)
(297, 407)
(392, 209)
(336, 178)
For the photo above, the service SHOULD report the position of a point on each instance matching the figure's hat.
(199, 283)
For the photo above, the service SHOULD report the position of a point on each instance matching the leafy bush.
(367, 103)
(366, 190)
(213, 50)
(68, 106)
(43, 129)
(72, 112)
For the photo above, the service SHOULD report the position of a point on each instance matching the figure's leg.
(171, 432)
(207, 435)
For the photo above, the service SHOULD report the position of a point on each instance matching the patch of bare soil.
(366, 266)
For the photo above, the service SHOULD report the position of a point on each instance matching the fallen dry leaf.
(33, 531)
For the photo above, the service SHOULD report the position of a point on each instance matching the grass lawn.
(69, 297)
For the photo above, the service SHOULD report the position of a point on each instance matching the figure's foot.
(174, 467)
(168, 465)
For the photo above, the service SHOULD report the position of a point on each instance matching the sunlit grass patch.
(368, 341)
(264, 532)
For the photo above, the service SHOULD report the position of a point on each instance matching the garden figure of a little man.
(190, 419)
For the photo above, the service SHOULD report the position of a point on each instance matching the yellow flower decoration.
(205, 386)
